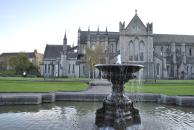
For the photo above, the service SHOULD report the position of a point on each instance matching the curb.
(24, 99)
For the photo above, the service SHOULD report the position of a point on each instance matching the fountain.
(118, 111)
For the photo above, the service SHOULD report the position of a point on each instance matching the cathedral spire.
(98, 30)
(88, 28)
(65, 39)
(136, 12)
(65, 44)
(106, 30)
(79, 30)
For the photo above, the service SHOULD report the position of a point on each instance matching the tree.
(20, 63)
(94, 56)
(33, 70)
(4, 61)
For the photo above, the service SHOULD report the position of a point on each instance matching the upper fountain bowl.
(118, 73)
(119, 68)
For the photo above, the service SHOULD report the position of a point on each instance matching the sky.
(26, 25)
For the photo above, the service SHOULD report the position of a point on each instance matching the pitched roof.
(170, 38)
(53, 51)
(136, 26)
(102, 34)
(29, 54)
(135, 20)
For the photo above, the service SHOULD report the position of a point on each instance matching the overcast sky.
(26, 25)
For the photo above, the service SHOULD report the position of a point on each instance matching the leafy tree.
(33, 70)
(4, 61)
(94, 56)
(20, 63)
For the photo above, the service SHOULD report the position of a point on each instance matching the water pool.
(81, 116)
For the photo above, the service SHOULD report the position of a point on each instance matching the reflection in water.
(81, 116)
(56, 116)
(116, 124)
(118, 120)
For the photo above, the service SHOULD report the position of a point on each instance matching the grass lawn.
(20, 85)
(175, 87)
(169, 81)
(46, 79)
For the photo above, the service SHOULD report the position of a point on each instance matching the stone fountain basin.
(119, 68)
(118, 73)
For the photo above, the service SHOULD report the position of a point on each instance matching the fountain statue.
(118, 111)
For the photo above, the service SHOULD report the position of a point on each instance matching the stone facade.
(136, 44)
(164, 56)
(60, 61)
(174, 56)
(34, 57)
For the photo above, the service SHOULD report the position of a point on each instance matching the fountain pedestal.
(117, 110)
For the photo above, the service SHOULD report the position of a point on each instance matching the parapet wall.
(38, 98)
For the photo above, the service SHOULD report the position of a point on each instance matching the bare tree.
(94, 56)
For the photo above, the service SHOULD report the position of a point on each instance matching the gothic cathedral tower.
(64, 63)
(136, 44)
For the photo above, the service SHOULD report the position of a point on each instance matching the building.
(60, 61)
(164, 56)
(34, 57)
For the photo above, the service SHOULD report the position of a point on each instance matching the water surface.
(81, 116)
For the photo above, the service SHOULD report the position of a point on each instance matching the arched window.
(48, 68)
(45, 68)
(158, 69)
(190, 52)
(73, 70)
(142, 50)
(69, 68)
(187, 69)
(136, 49)
(168, 70)
(131, 50)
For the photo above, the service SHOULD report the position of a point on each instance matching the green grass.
(174, 88)
(46, 79)
(19, 85)
(169, 81)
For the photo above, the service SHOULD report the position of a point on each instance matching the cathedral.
(164, 56)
